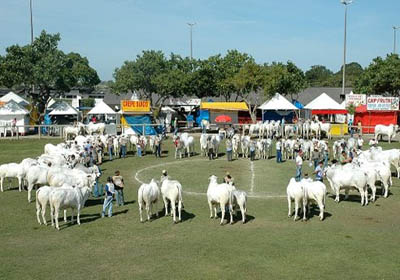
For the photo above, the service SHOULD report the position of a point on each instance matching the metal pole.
(30, 6)
(344, 48)
(191, 41)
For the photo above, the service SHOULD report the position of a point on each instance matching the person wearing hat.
(118, 181)
(109, 198)
(299, 165)
(164, 175)
(228, 178)
(278, 150)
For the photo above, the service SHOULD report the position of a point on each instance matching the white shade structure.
(16, 98)
(323, 102)
(63, 108)
(278, 102)
(10, 111)
(101, 108)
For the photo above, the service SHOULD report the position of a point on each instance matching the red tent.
(372, 118)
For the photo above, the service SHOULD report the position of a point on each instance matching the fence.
(57, 131)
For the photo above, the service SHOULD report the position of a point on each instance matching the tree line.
(155, 76)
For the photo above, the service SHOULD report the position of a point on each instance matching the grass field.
(353, 242)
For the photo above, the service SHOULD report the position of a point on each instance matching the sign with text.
(356, 99)
(375, 103)
(135, 106)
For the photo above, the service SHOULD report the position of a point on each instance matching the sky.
(109, 32)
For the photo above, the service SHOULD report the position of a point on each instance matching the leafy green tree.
(204, 77)
(353, 71)
(286, 79)
(380, 77)
(46, 68)
(318, 76)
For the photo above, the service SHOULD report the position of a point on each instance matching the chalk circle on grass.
(250, 192)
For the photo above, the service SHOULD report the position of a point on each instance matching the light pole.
(30, 9)
(191, 44)
(394, 38)
(345, 3)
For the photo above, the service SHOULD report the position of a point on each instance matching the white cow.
(98, 128)
(216, 141)
(313, 191)
(393, 156)
(389, 130)
(219, 194)
(289, 129)
(42, 199)
(148, 194)
(240, 200)
(235, 145)
(171, 191)
(347, 177)
(188, 143)
(11, 170)
(245, 144)
(306, 129)
(294, 192)
(326, 127)
(203, 144)
(315, 127)
(64, 198)
(36, 176)
(377, 171)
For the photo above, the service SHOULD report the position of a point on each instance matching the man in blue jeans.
(299, 164)
(278, 150)
(108, 200)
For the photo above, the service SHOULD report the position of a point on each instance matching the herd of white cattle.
(66, 183)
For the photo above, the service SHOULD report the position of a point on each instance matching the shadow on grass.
(93, 202)
(237, 218)
(314, 211)
(87, 218)
(130, 202)
(186, 216)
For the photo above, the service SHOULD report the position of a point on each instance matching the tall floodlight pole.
(394, 38)
(30, 8)
(345, 3)
(191, 42)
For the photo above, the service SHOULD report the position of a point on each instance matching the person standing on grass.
(124, 142)
(360, 142)
(108, 200)
(228, 144)
(228, 179)
(319, 173)
(99, 151)
(278, 150)
(158, 146)
(118, 182)
(110, 147)
(299, 165)
(252, 147)
(316, 156)
(326, 154)
(210, 148)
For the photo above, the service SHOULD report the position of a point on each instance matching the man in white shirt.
(278, 150)
(299, 164)
(360, 142)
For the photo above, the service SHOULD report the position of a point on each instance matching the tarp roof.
(278, 102)
(101, 108)
(62, 108)
(227, 106)
(12, 108)
(323, 102)
(12, 96)
(167, 109)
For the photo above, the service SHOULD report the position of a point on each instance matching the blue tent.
(202, 115)
(136, 121)
(278, 115)
(298, 104)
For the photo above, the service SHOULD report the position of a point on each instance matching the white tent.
(101, 108)
(323, 102)
(167, 109)
(12, 110)
(62, 108)
(278, 102)
(12, 96)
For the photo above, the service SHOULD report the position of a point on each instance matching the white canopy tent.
(102, 109)
(63, 108)
(16, 98)
(277, 103)
(10, 111)
(323, 102)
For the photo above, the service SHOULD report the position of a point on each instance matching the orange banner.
(135, 106)
(2, 103)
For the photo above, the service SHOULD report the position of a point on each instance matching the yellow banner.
(135, 106)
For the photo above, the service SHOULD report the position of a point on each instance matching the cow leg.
(321, 210)
(20, 184)
(56, 217)
(65, 215)
(215, 212)
(373, 188)
(72, 215)
(180, 210)
(173, 210)
(156, 206)
(385, 189)
(211, 210)
(1, 182)
(140, 211)
(243, 210)
(337, 198)
(44, 215)
(222, 214)
(38, 213)
(165, 205)
(289, 200)
(30, 187)
(78, 216)
(296, 209)
(346, 193)
(148, 211)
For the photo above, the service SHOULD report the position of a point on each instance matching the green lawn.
(353, 242)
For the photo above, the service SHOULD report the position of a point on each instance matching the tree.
(286, 79)
(228, 67)
(382, 76)
(49, 70)
(247, 83)
(353, 72)
(318, 76)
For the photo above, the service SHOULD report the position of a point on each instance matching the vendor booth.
(10, 111)
(212, 110)
(103, 112)
(379, 110)
(277, 108)
(63, 113)
(135, 115)
(327, 109)
(14, 97)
